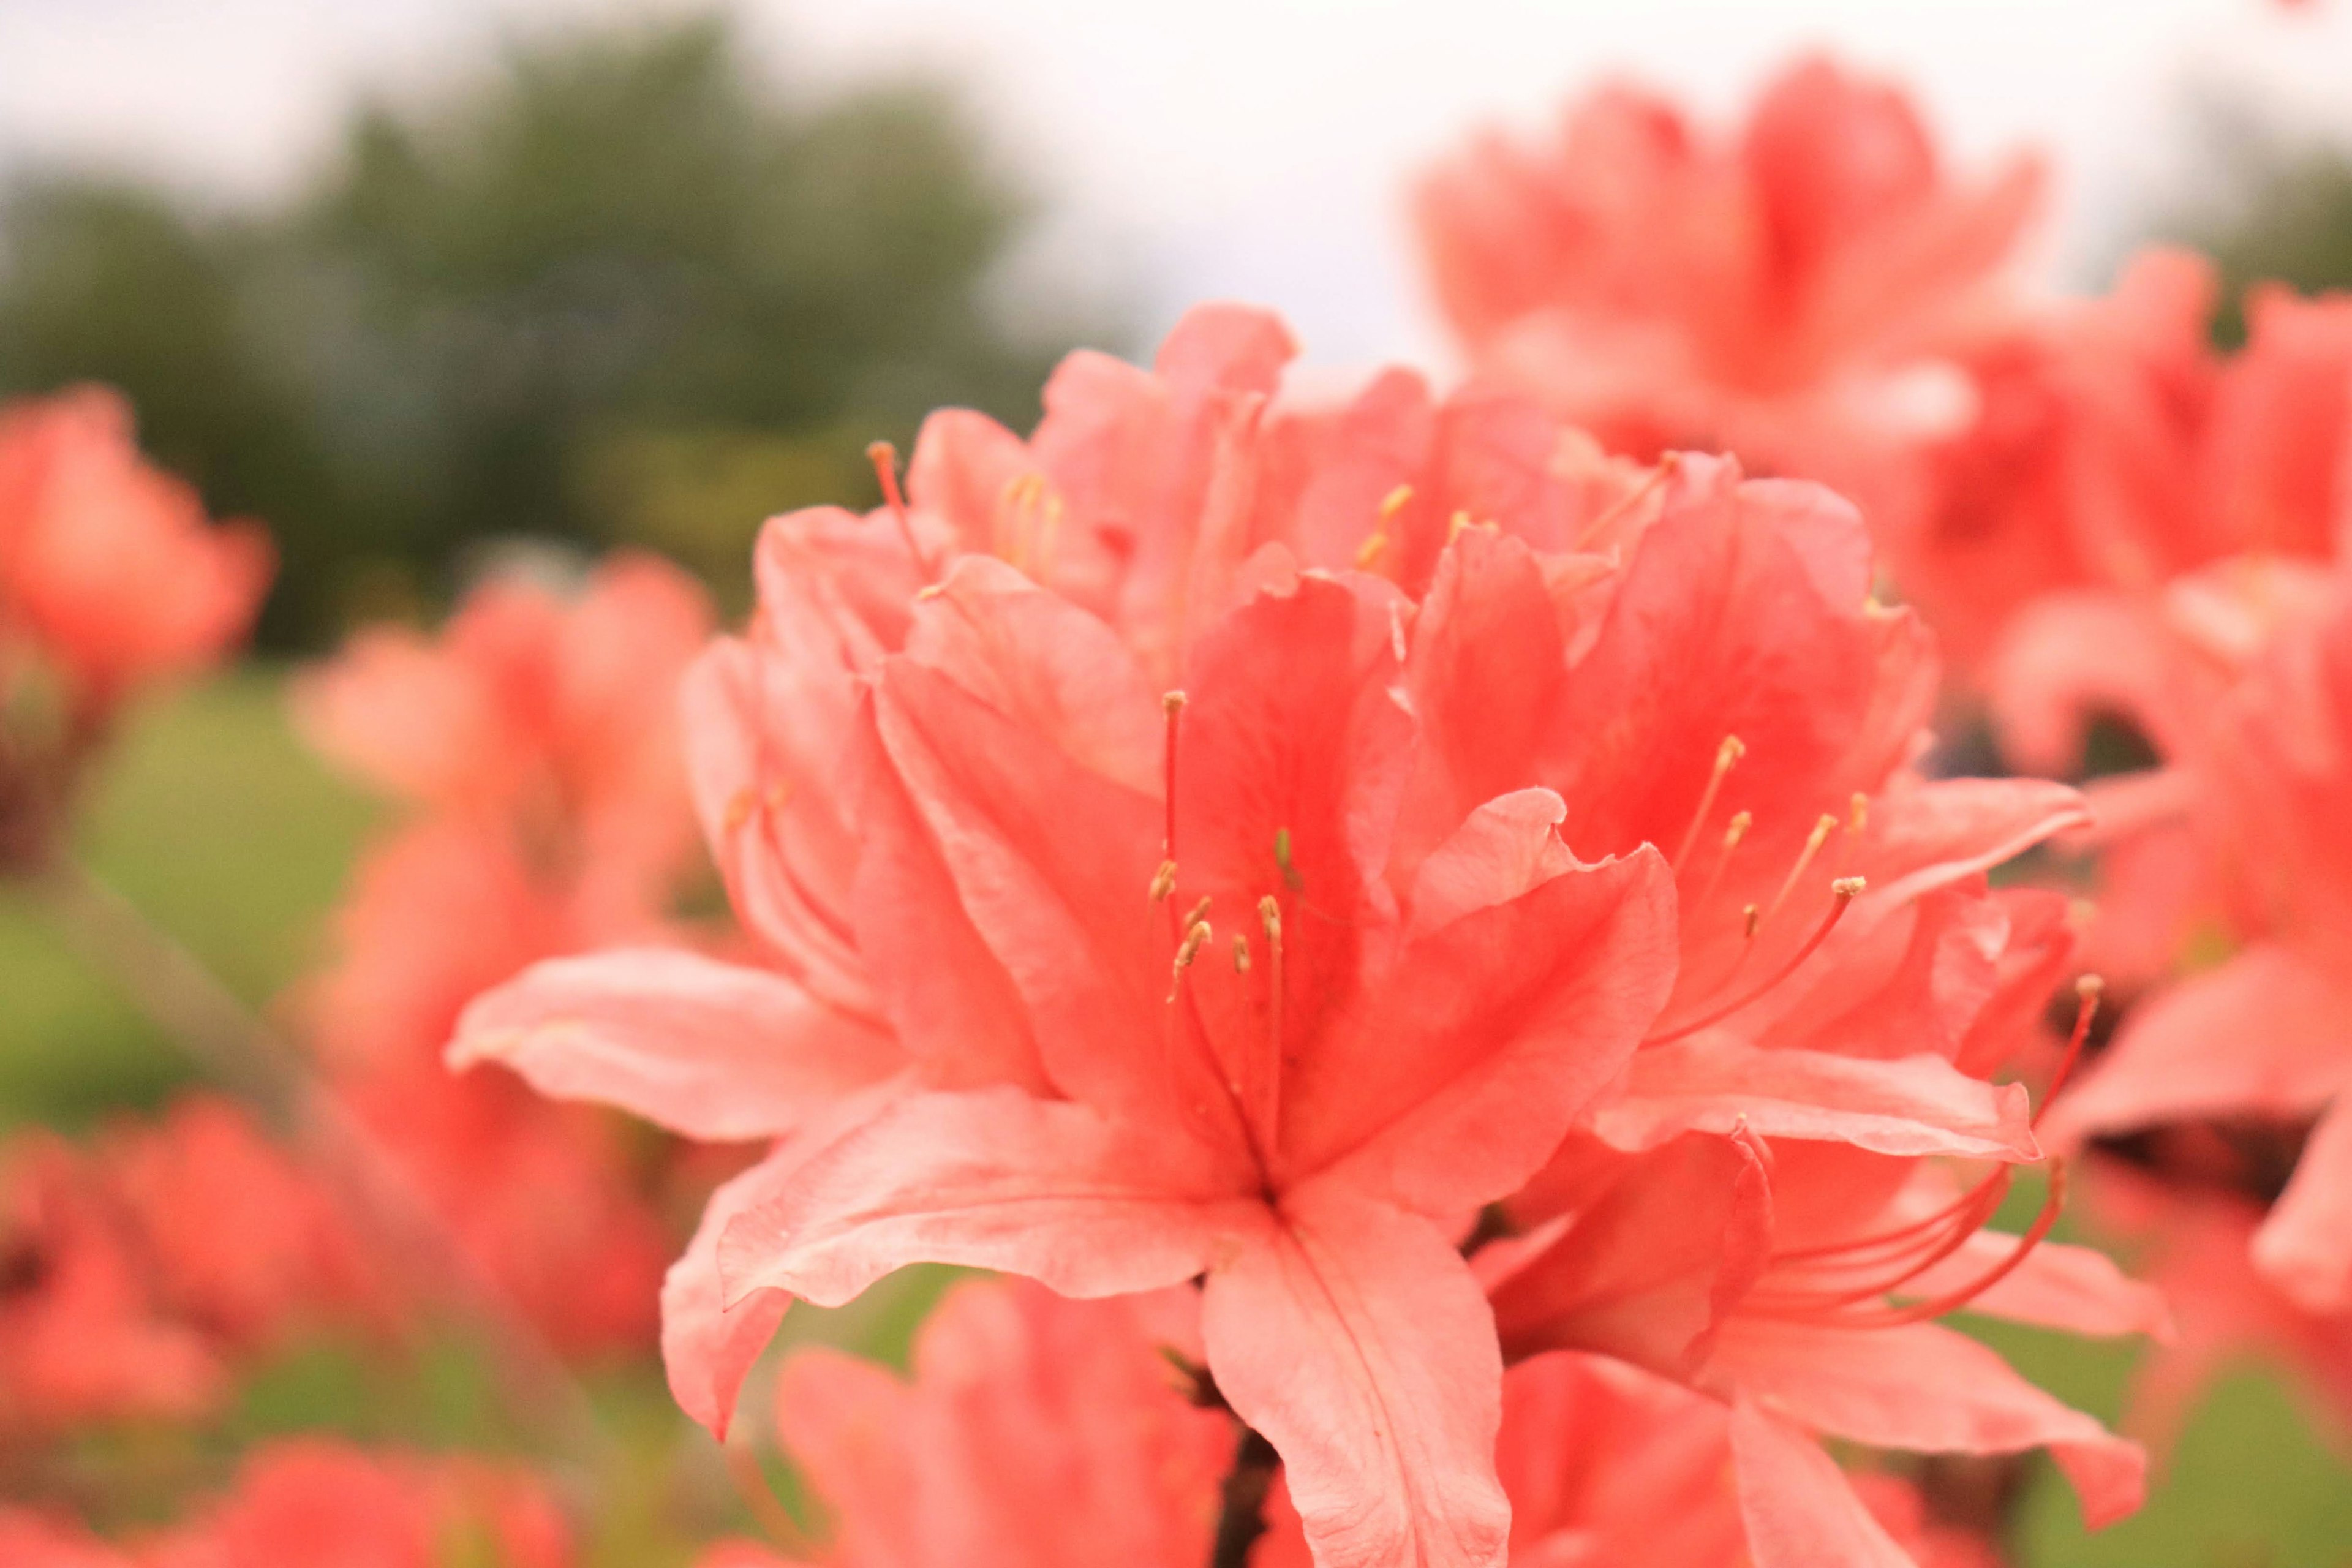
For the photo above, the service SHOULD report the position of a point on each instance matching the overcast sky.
(1251, 148)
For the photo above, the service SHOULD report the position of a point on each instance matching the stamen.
(1953, 1301)
(1736, 830)
(1198, 911)
(1240, 953)
(1163, 880)
(2087, 1006)
(1455, 525)
(884, 459)
(1813, 842)
(1727, 753)
(1269, 921)
(1171, 704)
(1842, 892)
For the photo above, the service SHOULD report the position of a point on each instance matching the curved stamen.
(1842, 892)
(2086, 992)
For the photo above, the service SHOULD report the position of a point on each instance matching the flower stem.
(188, 1001)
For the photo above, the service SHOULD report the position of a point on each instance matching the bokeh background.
(428, 284)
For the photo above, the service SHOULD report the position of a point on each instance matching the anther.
(1240, 953)
(1269, 917)
(1198, 912)
(1858, 813)
(1750, 917)
(1727, 753)
(2087, 990)
(1172, 703)
(1163, 880)
(1193, 942)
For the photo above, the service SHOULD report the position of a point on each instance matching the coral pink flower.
(551, 718)
(539, 735)
(1771, 294)
(2259, 1035)
(109, 569)
(1276, 984)
(2194, 1244)
(133, 1277)
(2080, 469)
(1797, 1285)
(1035, 1430)
(316, 1504)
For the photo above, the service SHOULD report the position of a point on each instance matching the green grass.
(215, 821)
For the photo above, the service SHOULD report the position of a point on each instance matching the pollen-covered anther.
(1847, 889)
(1172, 703)
(1198, 914)
(1163, 881)
(1240, 953)
(1395, 502)
(1187, 953)
(1269, 917)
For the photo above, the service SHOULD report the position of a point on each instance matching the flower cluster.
(1423, 934)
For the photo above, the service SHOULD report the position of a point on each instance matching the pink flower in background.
(1032, 1431)
(314, 1503)
(109, 569)
(2259, 1035)
(135, 1277)
(550, 719)
(537, 738)
(1780, 293)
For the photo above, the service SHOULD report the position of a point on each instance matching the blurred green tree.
(619, 288)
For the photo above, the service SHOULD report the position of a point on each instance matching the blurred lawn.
(215, 822)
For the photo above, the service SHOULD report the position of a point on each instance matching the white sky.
(1251, 148)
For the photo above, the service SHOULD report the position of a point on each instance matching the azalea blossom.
(135, 1276)
(301, 1502)
(537, 738)
(112, 578)
(1782, 292)
(2257, 1036)
(1212, 958)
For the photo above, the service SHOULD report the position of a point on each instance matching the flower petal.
(1910, 1106)
(1490, 1033)
(1929, 1390)
(711, 1050)
(991, 1179)
(2075, 1289)
(1353, 1336)
(1801, 1512)
(2262, 1034)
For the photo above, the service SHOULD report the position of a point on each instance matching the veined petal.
(711, 1050)
(991, 1179)
(1490, 1033)
(1352, 1335)
(1910, 1106)
(1929, 1390)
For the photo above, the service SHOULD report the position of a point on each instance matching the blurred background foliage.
(618, 286)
